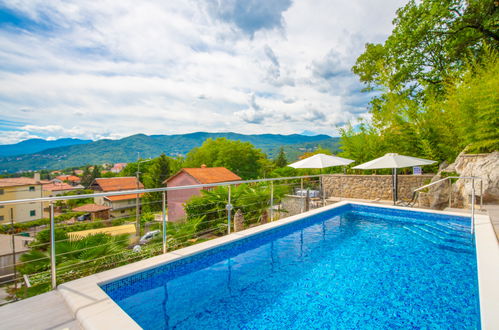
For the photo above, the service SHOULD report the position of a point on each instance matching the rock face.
(485, 166)
(238, 221)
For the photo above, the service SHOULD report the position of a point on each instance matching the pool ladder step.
(441, 240)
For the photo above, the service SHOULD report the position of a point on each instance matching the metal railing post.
(271, 200)
(164, 221)
(323, 191)
(302, 195)
(450, 193)
(481, 194)
(472, 205)
(229, 211)
(53, 269)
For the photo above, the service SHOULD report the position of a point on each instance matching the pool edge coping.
(94, 309)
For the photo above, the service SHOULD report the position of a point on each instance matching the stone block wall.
(372, 186)
(292, 205)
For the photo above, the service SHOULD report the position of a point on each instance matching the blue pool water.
(353, 267)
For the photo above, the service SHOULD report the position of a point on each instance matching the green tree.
(241, 158)
(435, 82)
(431, 40)
(281, 160)
(156, 174)
(86, 178)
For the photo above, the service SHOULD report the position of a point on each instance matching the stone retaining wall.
(372, 186)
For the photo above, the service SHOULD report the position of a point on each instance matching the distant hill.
(126, 149)
(36, 145)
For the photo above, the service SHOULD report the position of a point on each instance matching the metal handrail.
(472, 178)
(163, 190)
(150, 190)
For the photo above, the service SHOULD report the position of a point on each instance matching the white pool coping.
(94, 309)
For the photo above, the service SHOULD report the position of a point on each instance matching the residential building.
(20, 188)
(95, 211)
(54, 188)
(78, 172)
(120, 204)
(193, 176)
(118, 167)
(71, 179)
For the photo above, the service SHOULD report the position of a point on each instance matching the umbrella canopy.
(321, 161)
(393, 161)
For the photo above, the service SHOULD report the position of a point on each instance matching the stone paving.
(45, 311)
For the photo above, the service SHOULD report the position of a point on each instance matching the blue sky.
(95, 69)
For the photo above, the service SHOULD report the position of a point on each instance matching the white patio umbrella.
(394, 161)
(321, 161)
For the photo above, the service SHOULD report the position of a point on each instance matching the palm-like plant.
(252, 199)
(73, 251)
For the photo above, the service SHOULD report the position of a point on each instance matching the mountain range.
(36, 145)
(59, 154)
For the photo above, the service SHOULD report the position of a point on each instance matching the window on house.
(32, 188)
(32, 213)
(1, 217)
(1, 191)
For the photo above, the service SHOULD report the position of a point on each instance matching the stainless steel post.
(53, 270)
(13, 237)
(323, 191)
(164, 221)
(271, 200)
(229, 211)
(472, 205)
(450, 193)
(137, 210)
(302, 196)
(481, 194)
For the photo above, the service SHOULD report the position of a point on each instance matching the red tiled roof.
(122, 197)
(119, 166)
(54, 186)
(21, 181)
(117, 184)
(206, 175)
(68, 178)
(91, 208)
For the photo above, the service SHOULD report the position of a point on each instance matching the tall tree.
(434, 96)
(241, 158)
(281, 160)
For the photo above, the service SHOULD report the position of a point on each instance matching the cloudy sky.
(94, 69)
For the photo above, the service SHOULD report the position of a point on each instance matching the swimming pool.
(353, 266)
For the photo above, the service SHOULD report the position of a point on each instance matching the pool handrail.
(415, 193)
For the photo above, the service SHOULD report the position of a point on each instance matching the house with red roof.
(193, 176)
(71, 179)
(118, 167)
(95, 211)
(119, 204)
(20, 188)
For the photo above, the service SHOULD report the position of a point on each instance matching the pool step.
(440, 240)
(454, 226)
(447, 236)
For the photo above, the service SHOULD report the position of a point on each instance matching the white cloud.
(115, 68)
(11, 137)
